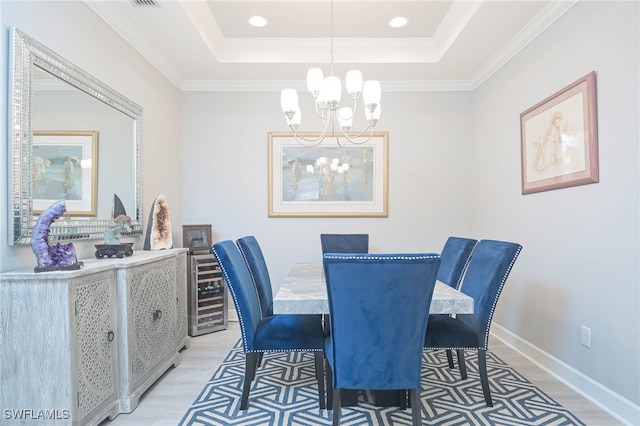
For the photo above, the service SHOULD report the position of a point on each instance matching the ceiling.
(447, 44)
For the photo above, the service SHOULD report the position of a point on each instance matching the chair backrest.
(454, 260)
(378, 306)
(486, 274)
(238, 279)
(253, 257)
(344, 243)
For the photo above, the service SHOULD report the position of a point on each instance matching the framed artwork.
(559, 139)
(330, 179)
(196, 237)
(65, 166)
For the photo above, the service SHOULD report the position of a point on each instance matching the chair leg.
(484, 378)
(329, 387)
(461, 363)
(319, 361)
(260, 359)
(416, 408)
(450, 358)
(250, 364)
(336, 407)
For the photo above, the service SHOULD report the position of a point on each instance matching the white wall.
(579, 265)
(73, 31)
(224, 138)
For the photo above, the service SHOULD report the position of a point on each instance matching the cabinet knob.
(157, 314)
(110, 335)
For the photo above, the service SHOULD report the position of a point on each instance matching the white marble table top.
(304, 291)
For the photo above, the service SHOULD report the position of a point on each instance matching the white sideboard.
(79, 346)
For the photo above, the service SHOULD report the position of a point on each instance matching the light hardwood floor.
(167, 400)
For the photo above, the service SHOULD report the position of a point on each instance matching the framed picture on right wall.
(559, 139)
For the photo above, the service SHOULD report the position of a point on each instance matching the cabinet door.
(96, 362)
(181, 299)
(153, 320)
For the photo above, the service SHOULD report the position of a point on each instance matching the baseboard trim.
(614, 404)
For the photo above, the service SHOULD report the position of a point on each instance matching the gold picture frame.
(332, 179)
(65, 166)
(559, 139)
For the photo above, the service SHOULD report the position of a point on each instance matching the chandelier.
(336, 119)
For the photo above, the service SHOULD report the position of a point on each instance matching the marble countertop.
(304, 291)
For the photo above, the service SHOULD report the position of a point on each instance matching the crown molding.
(277, 86)
(130, 35)
(411, 50)
(527, 34)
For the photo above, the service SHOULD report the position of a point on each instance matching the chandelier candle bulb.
(314, 81)
(354, 83)
(371, 94)
(289, 102)
(374, 116)
(332, 90)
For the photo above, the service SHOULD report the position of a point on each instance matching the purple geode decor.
(59, 256)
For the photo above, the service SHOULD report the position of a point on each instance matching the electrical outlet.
(585, 336)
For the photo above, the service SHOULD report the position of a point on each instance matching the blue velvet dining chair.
(454, 259)
(275, 333)
(487, 272)
(378, 308)
(344, 243)
(253, 257)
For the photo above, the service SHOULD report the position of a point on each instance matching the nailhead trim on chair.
(466, 265)
(383, 257)
(288, 350)
(495, 301)
(253, 278)
(493, 307)
(240, 318)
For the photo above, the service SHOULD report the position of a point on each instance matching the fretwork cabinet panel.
(58, 357)
(96, 355)
(148, 344)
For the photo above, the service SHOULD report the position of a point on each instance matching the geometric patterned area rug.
(285, 392)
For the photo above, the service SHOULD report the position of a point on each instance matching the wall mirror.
(72, 137)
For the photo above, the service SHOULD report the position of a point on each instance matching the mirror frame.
(27, 53)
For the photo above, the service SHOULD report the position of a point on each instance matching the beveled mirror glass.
(71, 137)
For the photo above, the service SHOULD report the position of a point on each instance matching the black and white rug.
(285, 393)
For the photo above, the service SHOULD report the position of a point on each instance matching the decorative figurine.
(117, 208)
(158, 235)
(112, 235)
(59, 256)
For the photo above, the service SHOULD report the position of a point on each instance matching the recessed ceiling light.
(257, 21)
(398, 22)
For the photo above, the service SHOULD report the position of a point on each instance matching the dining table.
(304, 291)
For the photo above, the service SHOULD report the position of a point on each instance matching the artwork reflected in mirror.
(65, 167)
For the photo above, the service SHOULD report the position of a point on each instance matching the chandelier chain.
(331, 36)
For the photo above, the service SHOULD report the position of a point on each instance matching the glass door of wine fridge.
(207, 290)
